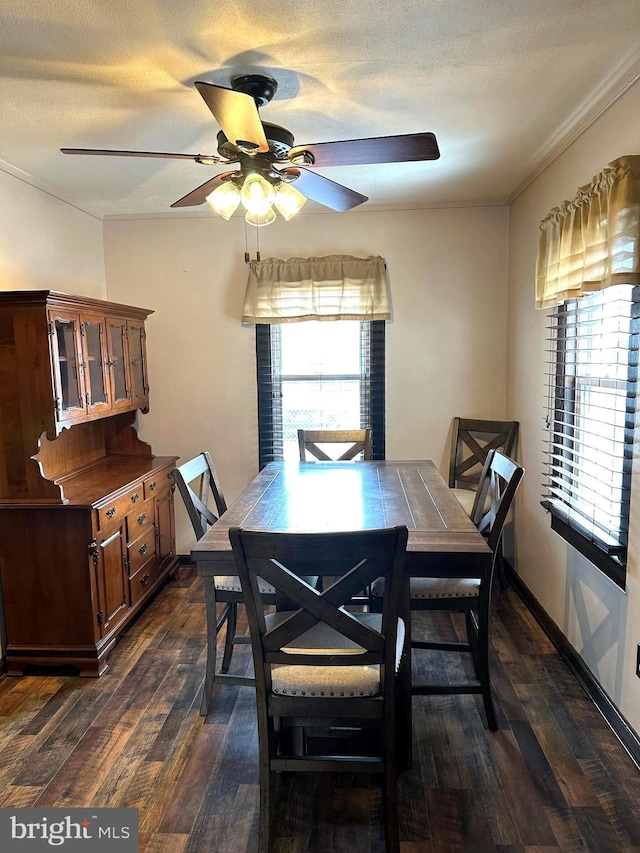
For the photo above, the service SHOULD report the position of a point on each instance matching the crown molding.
(26, 178)
(360, 211)
(621, 78)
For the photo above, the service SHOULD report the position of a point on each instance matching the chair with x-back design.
(320, 667)
(315, 442)
(198, 484)
(471, 442)
(458, 588)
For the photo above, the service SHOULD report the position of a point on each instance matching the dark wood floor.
(553, 778)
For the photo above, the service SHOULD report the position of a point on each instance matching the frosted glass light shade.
(256, 194)
(225, 199)
(259, 219)
(288, 200)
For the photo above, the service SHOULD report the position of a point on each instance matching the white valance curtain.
(592, 241)
(335, 287)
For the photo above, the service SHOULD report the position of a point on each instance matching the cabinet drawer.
(120, 506)
(139, 551)
(142, 580)
(156, 484)
(139, 518)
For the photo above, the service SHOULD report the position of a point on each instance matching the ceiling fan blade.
(207, 159)
(381, 149)
(321, 189)
(199, 195)
(236, 113)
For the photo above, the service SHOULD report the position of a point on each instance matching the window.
(593, 348)
(318, 375)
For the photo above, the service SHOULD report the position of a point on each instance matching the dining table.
(338, 496)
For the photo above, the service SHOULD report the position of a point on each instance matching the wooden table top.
(318, 496)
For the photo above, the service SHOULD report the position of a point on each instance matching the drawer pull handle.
(143, 549)
(142, 518)
(144, 579)
(135, 497)
(111, 512)
(153, 486)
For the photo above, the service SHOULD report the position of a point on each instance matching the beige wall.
(601, 622)
(445, 346)
(46, 244)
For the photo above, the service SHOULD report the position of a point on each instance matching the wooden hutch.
(86, 510)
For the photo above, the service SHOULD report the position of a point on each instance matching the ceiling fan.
(270, 164)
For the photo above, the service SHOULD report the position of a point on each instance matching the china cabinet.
(86, 509)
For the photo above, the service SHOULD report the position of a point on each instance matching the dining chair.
(460, 589)
(471, 442)
(358, 441)
(199, 486)
(321, 668)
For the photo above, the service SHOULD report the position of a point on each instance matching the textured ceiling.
(504, 85)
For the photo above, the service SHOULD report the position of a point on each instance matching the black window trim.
(270, 392)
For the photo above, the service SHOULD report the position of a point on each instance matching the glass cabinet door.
(116, 341)
(137, 362)
(67, 366)
(96, 367)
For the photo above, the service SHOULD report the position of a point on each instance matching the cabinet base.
(89, 663)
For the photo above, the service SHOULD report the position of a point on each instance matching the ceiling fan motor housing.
(261, 88)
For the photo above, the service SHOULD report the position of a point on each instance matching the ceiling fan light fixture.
(257, 195)
(225, 199)
(288, 200)
(260, 219)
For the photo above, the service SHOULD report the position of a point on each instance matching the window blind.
(592, 364)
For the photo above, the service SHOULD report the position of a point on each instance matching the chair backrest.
(471, 441)
(358, 441)
(198, 483)
(353, 560)
(499, 482)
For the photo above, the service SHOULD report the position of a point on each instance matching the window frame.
(270, 429)
(562, 416)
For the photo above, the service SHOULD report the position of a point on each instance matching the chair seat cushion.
(444, 587)
(231, 583)
(465, 498)
(329, 681)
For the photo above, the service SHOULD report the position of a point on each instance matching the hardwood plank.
(19, 796)
(191, 786)
(537, 764)
(568, 772)
(596, 827)
(445, 810)
(565, 827)
(618, 795)
(524, 801)
(162, 842)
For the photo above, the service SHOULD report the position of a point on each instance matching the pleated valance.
(592, 241)
(335, 287)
